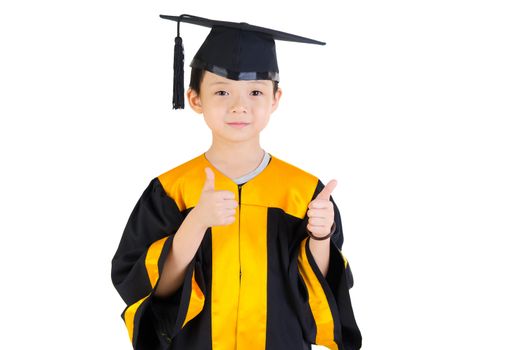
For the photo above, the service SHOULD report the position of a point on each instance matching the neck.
(235, 153)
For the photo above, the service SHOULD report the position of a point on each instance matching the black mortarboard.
(238, 51)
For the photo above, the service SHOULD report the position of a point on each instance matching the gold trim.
(318, 302)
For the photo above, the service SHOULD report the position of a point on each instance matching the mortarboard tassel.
(178, 67)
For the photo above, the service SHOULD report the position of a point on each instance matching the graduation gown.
(253, 284)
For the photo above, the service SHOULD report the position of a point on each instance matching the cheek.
(215, 107)
(262, 118)
(213, 116)
(262, 104)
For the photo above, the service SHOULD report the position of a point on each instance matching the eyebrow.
(250, 81)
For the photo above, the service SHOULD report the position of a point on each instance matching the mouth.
(238, 124)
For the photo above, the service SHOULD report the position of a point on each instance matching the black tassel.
(178, 67)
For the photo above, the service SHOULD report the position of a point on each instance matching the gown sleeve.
(324, 303)
(137, 264)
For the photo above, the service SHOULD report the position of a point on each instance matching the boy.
(235, 249)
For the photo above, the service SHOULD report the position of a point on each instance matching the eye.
(256, 93)
(221, 93)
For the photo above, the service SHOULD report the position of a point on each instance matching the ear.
(194, 100)
(277, 97)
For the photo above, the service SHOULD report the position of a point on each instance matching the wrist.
(322, 238)
(196, 221)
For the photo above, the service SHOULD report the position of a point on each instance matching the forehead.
(211, 79)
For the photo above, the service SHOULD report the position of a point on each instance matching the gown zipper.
(239, 232)
(240, 269)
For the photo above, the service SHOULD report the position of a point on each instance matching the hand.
(215, 208)
(321, 211)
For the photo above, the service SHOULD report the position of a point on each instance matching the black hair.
(197, 74)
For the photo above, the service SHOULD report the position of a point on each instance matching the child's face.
(224, 101)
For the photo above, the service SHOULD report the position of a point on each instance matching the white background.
(418, 108)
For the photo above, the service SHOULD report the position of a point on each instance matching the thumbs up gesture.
(215, 208)
(321, 211)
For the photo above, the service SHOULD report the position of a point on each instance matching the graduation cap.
(238, 51)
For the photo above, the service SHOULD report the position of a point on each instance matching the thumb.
(326, 192)
(209, 184)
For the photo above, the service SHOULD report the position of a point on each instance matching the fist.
(215, 208)
(321, 211)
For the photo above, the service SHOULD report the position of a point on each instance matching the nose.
(239, 105)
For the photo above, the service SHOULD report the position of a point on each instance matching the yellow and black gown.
(252, 285)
